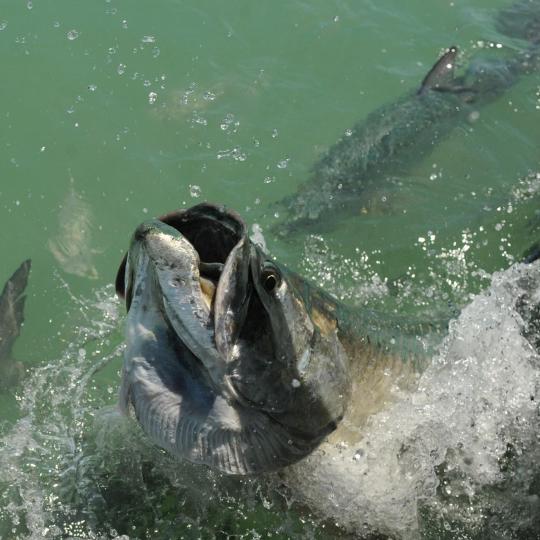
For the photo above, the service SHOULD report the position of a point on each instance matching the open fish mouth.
(222, 359)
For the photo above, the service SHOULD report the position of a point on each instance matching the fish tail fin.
(12, 308)
(520, 20)
(441, 75)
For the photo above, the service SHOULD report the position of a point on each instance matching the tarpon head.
(231, 361)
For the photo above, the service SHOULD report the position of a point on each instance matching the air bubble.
(72, 35)
(195, 191)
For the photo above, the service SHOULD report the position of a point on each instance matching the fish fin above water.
(12, 308)
(441, 76)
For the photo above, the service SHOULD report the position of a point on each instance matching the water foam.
(459, 456)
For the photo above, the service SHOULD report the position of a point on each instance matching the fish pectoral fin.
(441, 74)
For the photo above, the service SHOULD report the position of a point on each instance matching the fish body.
(387, 141)
(12, 302)
(71, 246)
(236, 362)
(396, 136)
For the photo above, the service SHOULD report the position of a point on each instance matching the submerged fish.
(12, 302)
(400, 134)
(71, 247)
(234, 361)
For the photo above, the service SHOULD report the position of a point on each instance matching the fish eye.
(270, 277)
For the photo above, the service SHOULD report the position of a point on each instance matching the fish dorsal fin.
(441, 75)
(12, 308)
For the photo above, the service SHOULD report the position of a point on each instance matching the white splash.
(462, 452)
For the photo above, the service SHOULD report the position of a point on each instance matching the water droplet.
(336, 18)
(145, 210)
(152, 98)
(283, 163)
(474, 116)
(72, 35)
(124, 24)
(229, 123)
(92, 87)
(121, 69)
(3, 25)
(29, 4)
(275, 133)
(198, 119)
(235, 153)
(56, 24)
(195, 191)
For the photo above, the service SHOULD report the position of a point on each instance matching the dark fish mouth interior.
(212, 231)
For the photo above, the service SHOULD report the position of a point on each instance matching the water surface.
(113, 112)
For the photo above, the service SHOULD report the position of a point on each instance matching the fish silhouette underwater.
(12, 302)
(393, 138)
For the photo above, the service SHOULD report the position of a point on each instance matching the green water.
(116, 111)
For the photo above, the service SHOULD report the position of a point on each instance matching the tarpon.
(72, 245)
(234, 361)
(396, 136)
(12, 302)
